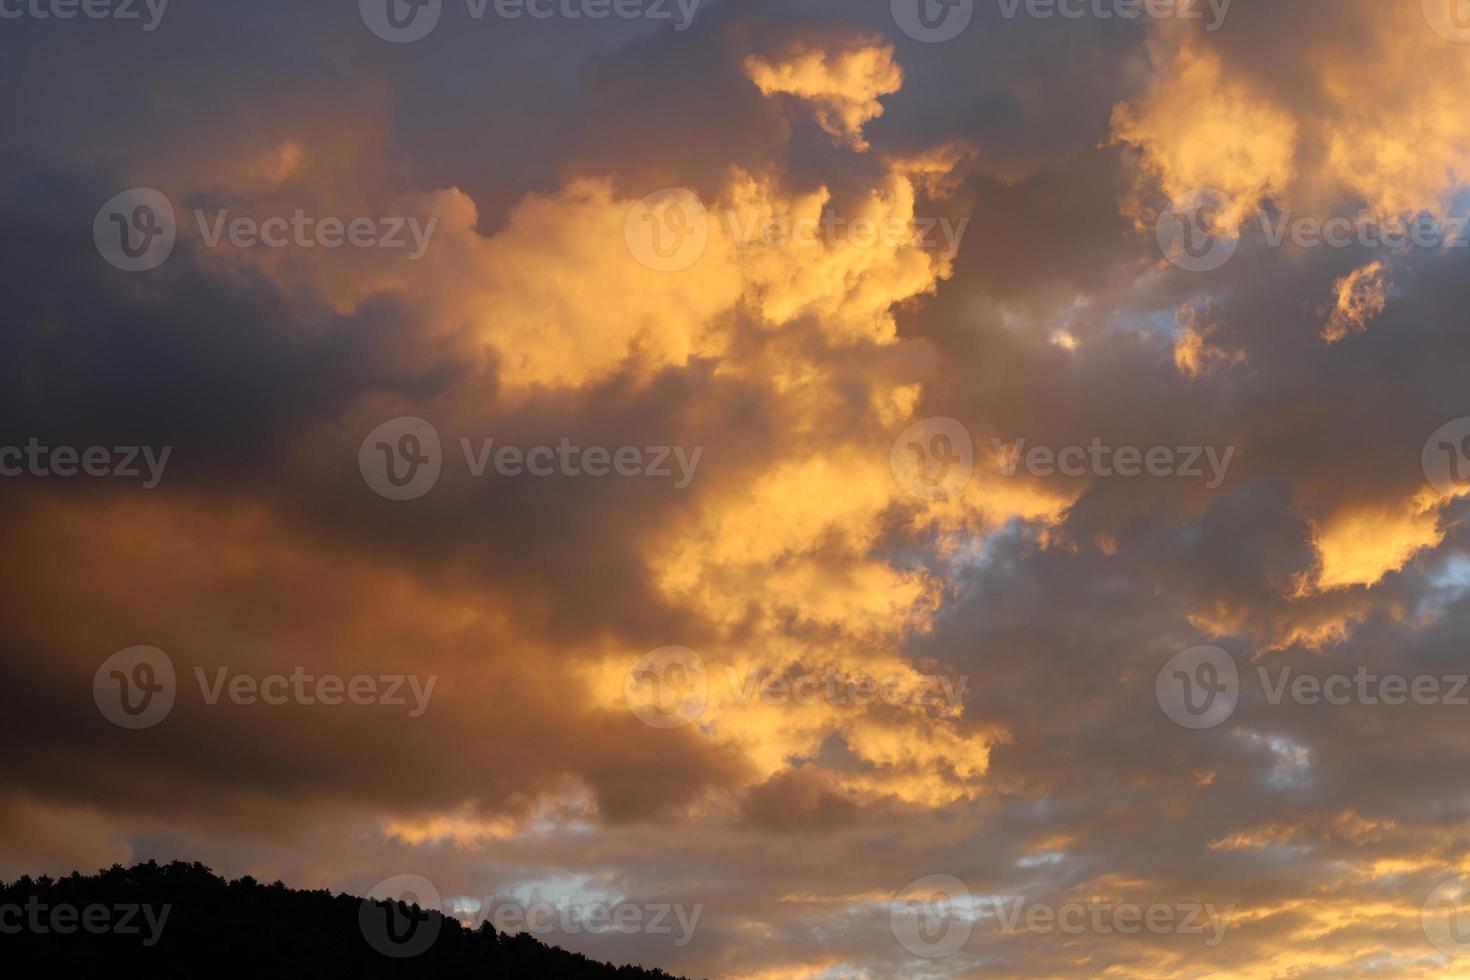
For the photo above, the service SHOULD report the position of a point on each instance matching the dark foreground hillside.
(113, 924)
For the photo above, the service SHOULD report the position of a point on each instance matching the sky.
(909, 489)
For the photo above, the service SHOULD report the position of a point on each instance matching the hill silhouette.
(216, 927)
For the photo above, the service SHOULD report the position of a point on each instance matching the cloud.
(878, 232)
(1361, 296)
(843, 84)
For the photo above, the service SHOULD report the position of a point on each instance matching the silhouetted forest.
(237, 928)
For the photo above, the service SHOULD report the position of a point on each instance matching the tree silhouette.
(241, 927)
